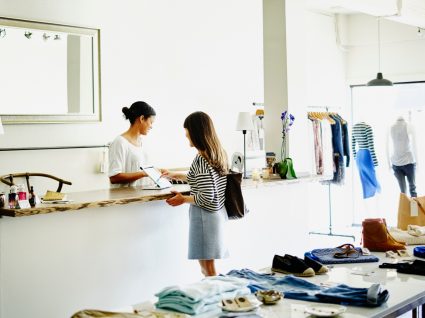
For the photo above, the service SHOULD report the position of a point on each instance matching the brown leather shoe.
(377, 238)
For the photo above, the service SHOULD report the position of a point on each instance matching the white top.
(402, 139)
(125, 157)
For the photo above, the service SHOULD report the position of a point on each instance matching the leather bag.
(234, 202)
(410, 211)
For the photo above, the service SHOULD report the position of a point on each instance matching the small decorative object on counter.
(265, 173)
(22, 194)
(2, 200)
(255, 174)
(12, 197)
(32, 197)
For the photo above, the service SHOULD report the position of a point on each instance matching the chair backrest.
(9, 179)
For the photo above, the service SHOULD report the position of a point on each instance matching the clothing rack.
(330, 233)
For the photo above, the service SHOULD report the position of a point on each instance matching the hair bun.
(126, 112)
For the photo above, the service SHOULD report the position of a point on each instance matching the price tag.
(414, 208)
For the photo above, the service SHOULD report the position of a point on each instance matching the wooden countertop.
(98, 199)
(126, 195)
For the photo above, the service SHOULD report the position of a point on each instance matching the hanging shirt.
(362, 138)
(328, 163)
(402, 146)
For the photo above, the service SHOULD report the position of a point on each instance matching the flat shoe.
(318, 267)
(289, 264)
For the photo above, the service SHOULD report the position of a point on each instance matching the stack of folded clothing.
(201, 296)
(415, 234)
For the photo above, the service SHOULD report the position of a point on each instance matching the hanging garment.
(362, 136)
(367, 173)
(328, 163)
(318, 147)
(345, 142)
(338, 151)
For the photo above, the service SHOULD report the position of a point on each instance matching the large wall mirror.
(50, 73)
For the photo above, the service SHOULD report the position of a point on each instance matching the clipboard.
(155, 175)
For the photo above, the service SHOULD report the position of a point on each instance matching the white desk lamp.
(244, 123)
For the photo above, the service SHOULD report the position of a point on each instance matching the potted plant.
(285, 167)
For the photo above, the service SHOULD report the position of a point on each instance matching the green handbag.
(286, 169)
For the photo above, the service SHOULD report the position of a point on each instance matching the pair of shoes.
(289, 264)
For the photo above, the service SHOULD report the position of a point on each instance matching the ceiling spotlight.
(57, 37)
(28, 34)
(45, 36)
(2, 33)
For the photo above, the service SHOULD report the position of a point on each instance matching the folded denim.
(298, 288)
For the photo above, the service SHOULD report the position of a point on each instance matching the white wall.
(402, 51)
(316, 75)
(178, 56)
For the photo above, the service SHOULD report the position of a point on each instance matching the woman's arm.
(127, 177)
(176, 175)
(179, 199)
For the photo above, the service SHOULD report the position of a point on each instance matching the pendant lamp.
(379, 80)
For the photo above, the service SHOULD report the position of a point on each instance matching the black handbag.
(234, 202)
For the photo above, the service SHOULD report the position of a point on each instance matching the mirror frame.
(62, 118)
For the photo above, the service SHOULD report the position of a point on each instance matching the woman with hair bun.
(125, 153)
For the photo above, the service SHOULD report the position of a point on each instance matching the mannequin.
(363, 148)
(402, 154)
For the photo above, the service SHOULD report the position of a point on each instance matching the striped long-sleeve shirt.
(362, 138)
(206, 185)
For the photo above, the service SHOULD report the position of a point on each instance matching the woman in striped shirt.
(207, 180)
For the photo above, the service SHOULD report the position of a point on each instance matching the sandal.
(348, 251)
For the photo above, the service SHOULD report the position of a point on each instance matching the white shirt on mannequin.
(403, 150)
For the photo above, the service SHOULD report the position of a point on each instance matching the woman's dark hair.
(136, 110)
(204, 138)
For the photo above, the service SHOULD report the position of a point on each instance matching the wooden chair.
(9, 179)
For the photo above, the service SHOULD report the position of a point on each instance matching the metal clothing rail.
(53, 148)
(330, 233)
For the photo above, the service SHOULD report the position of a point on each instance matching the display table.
(407, 292)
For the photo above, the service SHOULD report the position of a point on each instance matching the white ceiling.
(411, 12)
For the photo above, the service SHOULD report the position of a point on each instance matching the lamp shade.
(244, 121)
(1, 128)
(379, 81)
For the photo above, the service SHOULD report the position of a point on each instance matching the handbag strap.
(420, 201)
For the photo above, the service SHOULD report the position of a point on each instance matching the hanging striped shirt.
(362, 136)
(206, 185)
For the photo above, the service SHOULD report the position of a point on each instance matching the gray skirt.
(206, 233)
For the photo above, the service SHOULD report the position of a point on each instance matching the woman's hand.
(176, 200)
(164, 172)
